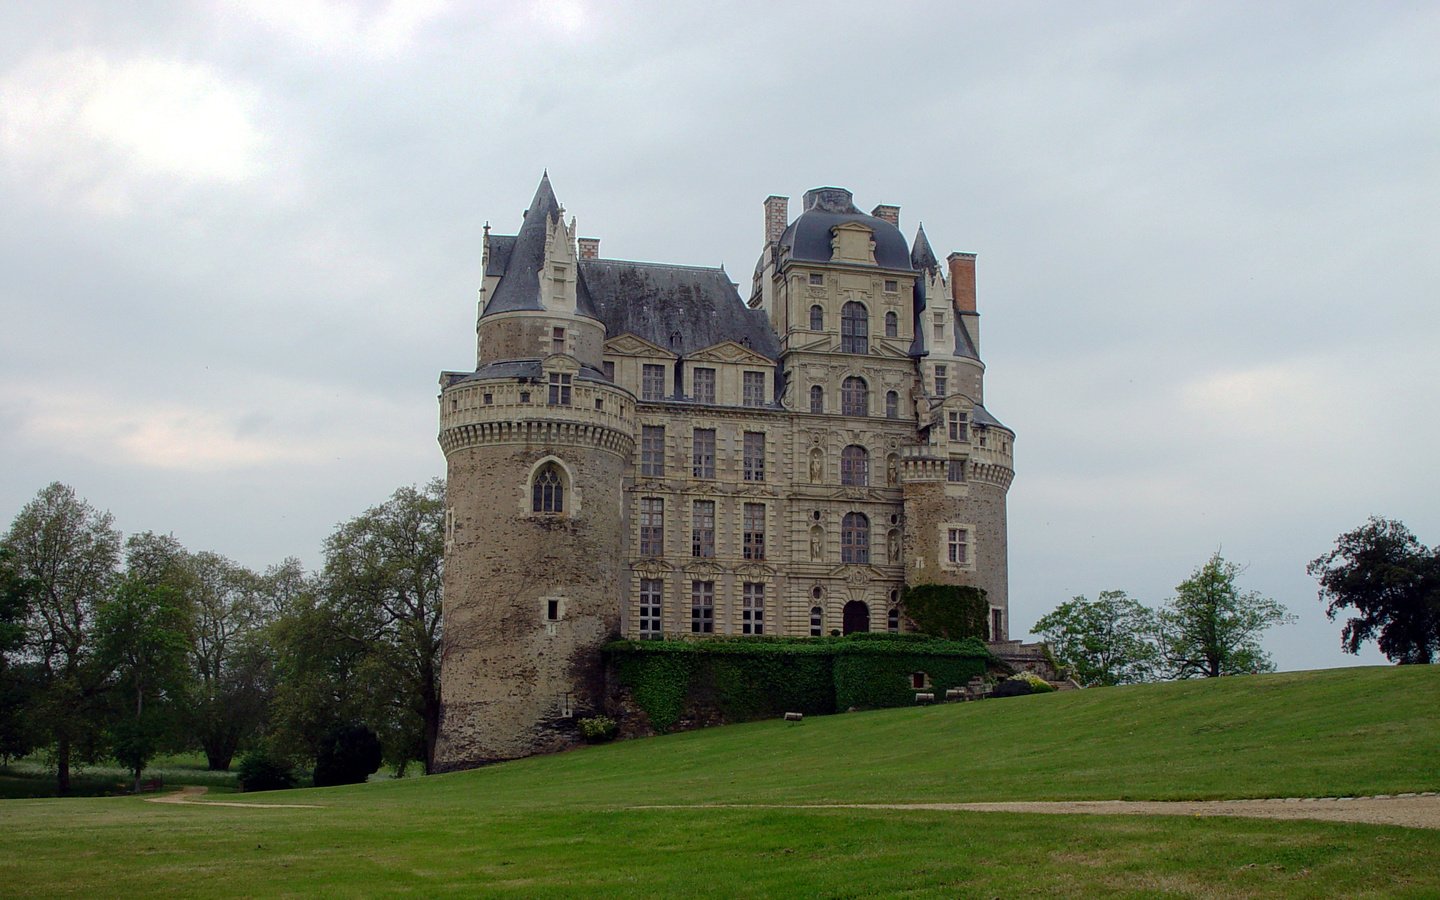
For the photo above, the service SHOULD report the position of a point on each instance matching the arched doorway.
(857, 616)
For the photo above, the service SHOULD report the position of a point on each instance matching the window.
(753, 613)
(599, 402)
(982, 435)
(955, 470)
(817, 278)
(650, 607)
(705, 385)
(552, 610)
(702, 607)
(702, 453)
(855, 466)
(854, 328)
(547, 494)
(939, 327)
(892, 405)
(702, 529)
(557, 340)
(652, 450)
(997, 624)
(941, 382)
(652, 526)
(855, 539)
(817, 399)
(892, 620)
(754, 461)
(817, 318)
(754, 532)
(559, 389)
(892, 325)
(957, 546)
(609, 370)
(960, 427)
(489, 399)
(891, 285)
(854, 397)
(817, 621)
(524, 396)
(754, 389)
(652, 382)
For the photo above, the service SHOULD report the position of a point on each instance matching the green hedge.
(951, 611)
(743, 678)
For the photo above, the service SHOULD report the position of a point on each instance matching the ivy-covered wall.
(951, 611)
(743, 678)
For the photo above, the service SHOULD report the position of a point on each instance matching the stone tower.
(537, 445)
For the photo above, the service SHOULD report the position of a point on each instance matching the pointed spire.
(921, 256)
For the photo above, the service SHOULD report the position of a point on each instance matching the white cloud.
(329, 27)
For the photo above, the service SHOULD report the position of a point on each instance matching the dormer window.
(939, 326)
(557, 340)
(559, 389)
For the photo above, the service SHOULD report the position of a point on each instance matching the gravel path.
(191, 794)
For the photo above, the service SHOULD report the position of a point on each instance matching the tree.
(1212, 628)
(17, 674)
(1108, 641)
(70, 553)
(1392, 582)
(141, 634)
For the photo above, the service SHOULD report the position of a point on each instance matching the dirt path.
(191, 794)
(1411, 810)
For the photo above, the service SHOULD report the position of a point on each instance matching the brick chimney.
(589, 248)
(777, 216)
(962, 280)
(890, 214)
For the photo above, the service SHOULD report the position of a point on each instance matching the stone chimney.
(890, 214)
(589, 248)
(777, 216)
(962, 280)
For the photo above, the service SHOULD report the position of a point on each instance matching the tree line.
(129, 647)
(1380, 573)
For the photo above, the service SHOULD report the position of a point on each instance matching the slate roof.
(808, 237)
(981, 416)
(680, 308)
(514, 368)
(519, 286)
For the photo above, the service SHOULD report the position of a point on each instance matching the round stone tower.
(537, 442)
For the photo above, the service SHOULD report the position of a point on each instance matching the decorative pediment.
(704, 570)
(730, 352)
(852, 242)
(632, 345)
(560, 362)
(755, 571)
(651, 568)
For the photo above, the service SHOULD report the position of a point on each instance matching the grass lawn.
(33, 777)
(562, 825)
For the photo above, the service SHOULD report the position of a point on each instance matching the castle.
(643, 452)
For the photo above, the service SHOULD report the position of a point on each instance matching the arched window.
(817, 399)
(892, 405)
(892, 325)
(854, 396)
(892, 620)
(854, 328)
(855, 466)
(855, 539)
(817, 621)
(817, 318)
(547, 493)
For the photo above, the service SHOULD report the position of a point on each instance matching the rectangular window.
(997, 624)
(702, 453)
(754, 456)
(702, 529)
(955, 470)
(489, 399)
(753, 612)
(652, 526)
(754, 531)
(650, 592)
(960, 427)
(958, 546)
(942, 384)
(939, 326)
(705, 385)
(609, 370)
(702, 607)
(891, 285)
(817, 278)
(557, 340)
(981, 435)
(552, 610)
(652, 450)
(559, 389)
(754, 389)
(652, 382)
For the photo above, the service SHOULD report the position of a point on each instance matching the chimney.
(777, 216)
(589, 248)
(962, 280)
(890, 214)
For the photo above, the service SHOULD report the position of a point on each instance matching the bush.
(348, 755)
(1037, 684)
(259, 771)
(598, 729)
(1012, 687)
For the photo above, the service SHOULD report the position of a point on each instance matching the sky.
(240, 240)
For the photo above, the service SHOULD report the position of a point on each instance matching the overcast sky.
(239, 241)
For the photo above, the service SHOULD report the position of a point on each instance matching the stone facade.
(640, 452)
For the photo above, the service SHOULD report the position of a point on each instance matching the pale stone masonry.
(642, 452)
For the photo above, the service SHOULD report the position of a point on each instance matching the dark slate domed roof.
(808, 237)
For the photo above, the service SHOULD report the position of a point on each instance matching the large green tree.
(17, 673)
(1107, 641)
(1211, 627)
(1391, 581)
(70, 553)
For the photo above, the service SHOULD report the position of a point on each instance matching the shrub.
(259, 771)
(1037, 684)
(598, 729)
(1012, 687)
(348, 755)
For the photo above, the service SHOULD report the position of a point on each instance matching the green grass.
(565, 825)
(34, 777)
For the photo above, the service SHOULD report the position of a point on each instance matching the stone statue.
(817, 543)
(893, 547)
(817, 466)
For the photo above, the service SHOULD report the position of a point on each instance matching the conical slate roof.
(522, 257)
(921, 256)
